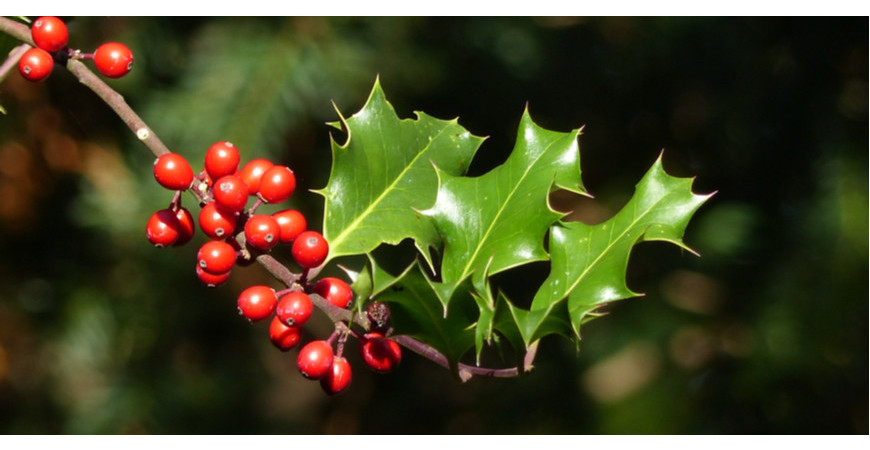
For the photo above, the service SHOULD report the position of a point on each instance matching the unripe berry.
(315, 360)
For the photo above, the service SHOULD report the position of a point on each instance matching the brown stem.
(10, 62)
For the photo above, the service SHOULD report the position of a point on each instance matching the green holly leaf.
(499, 220)
(588, 262)
(384, 174)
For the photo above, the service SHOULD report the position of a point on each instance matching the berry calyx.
(252, 173)
(173, 172)
(216, 257)
(36, 64)
(215, 222)
(282, 336)
(381, 354)
(49, 33)
(221, 159)
(291, 222)
(335, 291)
(310, 249)
(337, 379)
(315, 360)
(277, 184)
(262, 232)
(257, 302)
(294, 308)
(211, 279)
(230, 193)
(113, 59)
(163, 228)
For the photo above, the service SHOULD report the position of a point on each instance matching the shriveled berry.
(282, 336)
(49, 33)
(257, 302)
(216, 257)
(215, 222)
(291, 222)
(277, 184)
(294, 308)
(337, 379)
(36, 64)
(262, 232)
(173, 172)
(381, 354)
(335, 291)
(252, 173)
(310, 249)
(113, 59)
(221, 159)
(315, 360)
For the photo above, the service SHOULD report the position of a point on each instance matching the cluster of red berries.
(50, 34)
(236, 233)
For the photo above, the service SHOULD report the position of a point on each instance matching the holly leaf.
(499, 220)
(588, 262)
(384, 174)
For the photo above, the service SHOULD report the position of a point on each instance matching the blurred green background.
(767, 332)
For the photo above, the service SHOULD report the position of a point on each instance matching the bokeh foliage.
(767, 332)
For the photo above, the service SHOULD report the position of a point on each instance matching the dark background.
(766, 332)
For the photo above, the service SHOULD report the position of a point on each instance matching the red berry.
(291, 222)
(230, 193)
(36, 64)
(113, 60)
(163, 228)
(215, 222)
(262, 232)
(315, 360)
(216, 257)
(186, 228)
(277, 184)
(211, 279)
(310, 249)
(257, 302)
(49, 33)
(294, 309)
(252, 173)
(337, 379)
(221, 159)
(335, 291)
(282, 336)
(173, 172)
(379, 353)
